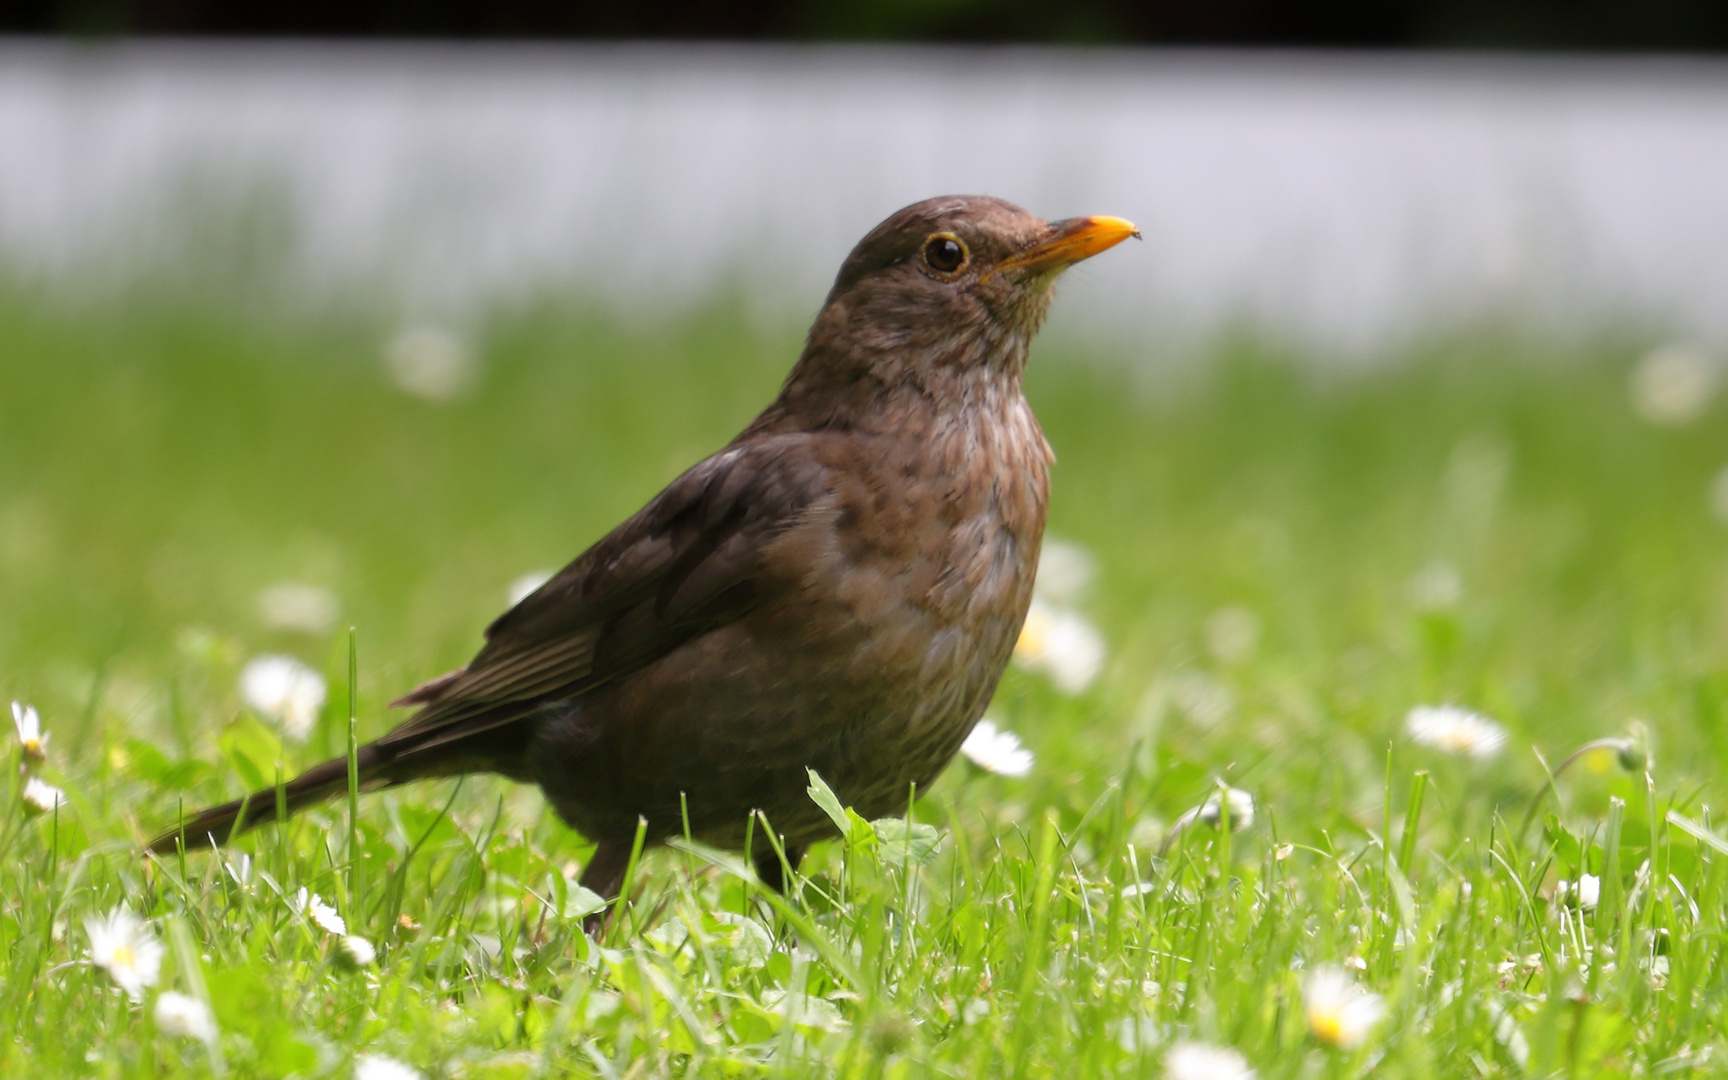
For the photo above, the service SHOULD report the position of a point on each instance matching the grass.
(161, 463)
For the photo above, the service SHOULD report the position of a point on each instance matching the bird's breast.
(915, 573)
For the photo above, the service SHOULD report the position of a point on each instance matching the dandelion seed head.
(995, 750)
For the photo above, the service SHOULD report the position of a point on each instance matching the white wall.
(1346, 199)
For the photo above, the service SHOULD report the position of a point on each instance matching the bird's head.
(945, 286)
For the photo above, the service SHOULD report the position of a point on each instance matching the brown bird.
(839, 588)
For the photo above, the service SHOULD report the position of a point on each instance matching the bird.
(837, 589)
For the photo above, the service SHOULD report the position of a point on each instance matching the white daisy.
(30, 737)
(379, 1067)
(282, 689)
(429, 362)
(41, 797)
(994, 750)
(311, 905)
(524, 586)
(124, 947)
(293, 606)
(1455, 730)
(1200, 1061)
(1062, 645)
(357, 950)
(1672, 385)
(240, 869)
(1585, 893)
(1239, 803)
(1339, 1012)
(184, 1017)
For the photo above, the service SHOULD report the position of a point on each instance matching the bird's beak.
(1068, 242)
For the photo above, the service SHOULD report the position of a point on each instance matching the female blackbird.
(839, 588)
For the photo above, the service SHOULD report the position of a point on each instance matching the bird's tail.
(219, 824)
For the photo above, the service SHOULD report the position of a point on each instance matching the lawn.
(1284, 563)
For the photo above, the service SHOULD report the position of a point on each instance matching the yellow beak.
(1070, 241)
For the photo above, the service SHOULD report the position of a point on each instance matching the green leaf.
(823, 795)
(254, 751)
(1697, 832)
(914, 843)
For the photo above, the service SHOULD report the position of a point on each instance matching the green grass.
(161, 464)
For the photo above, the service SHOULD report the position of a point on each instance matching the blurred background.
(318, 315)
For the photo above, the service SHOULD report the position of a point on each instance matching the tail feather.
(219, 824)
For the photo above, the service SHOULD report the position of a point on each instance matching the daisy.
(1199, 1061)
(997, 751)
(292, 606)
(1455, 730)
(283, 689)
(379, 1067)
(1586, 892)
(29, 725)
(1339, 1012)
(1239, 803)
(184, 1017)
(124, 947)
(311, 905)
(357, 951)
(1062, 645)
(41, 797)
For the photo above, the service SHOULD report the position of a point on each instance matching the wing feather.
(687, 563)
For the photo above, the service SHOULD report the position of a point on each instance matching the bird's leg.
(771, 870)
(604, 876)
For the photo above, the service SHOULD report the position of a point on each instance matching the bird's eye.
(944, 253)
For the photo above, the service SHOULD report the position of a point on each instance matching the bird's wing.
(686, 563)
